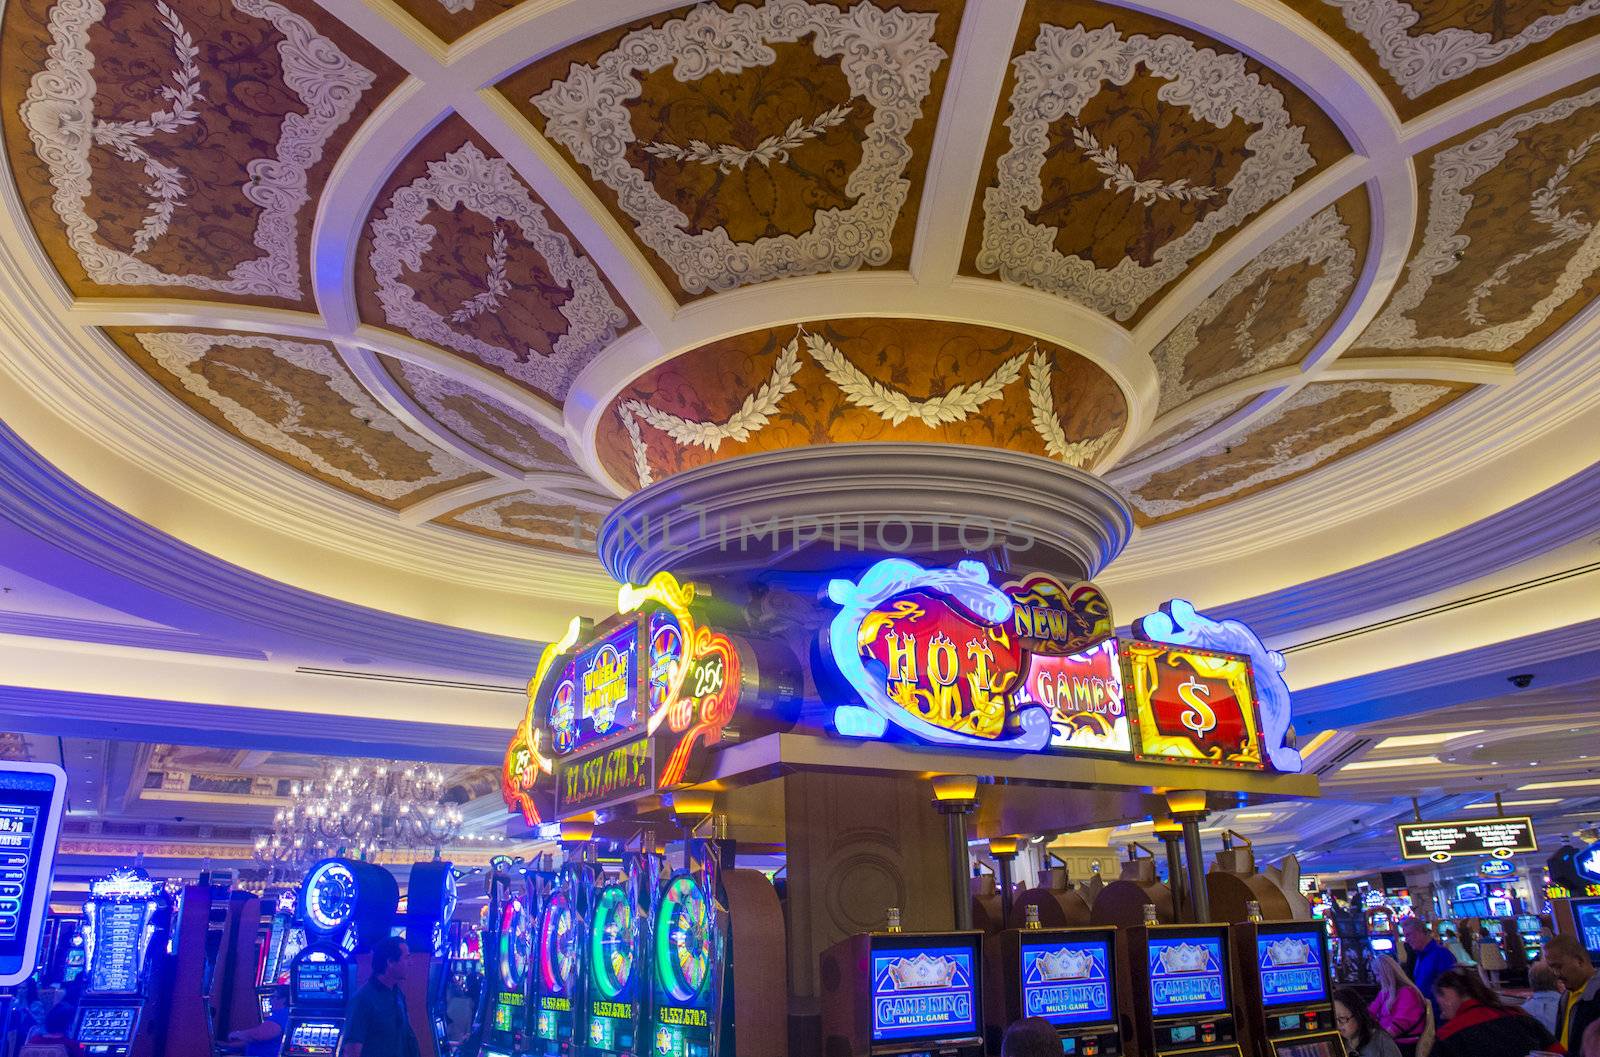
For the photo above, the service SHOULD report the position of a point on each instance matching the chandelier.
(359, 808)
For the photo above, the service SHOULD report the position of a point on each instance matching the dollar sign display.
(1199, 717)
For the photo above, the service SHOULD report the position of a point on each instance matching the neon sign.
(687, 675)
(1051, 617)
(1083, 692)
(1194, 706)
(932, 651)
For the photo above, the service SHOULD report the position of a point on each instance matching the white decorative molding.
(468, 178)
(1065, 69)
(1422, 62)
(1322, 242)
(1454, 171)
(59, 115)
(887, 57)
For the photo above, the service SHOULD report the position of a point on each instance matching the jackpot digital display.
(1188, 974)
(1292, 970)
(1067, 982)
(319, 982)
(1586, 916)
(924, 991)
(30, 812)
(598, 695)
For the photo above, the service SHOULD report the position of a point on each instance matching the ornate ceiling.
(435, 282)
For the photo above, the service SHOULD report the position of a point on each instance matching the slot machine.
(127, 920)
(345, 906)
(558, 981)
(619, 937)
(915, 994)
(1067, 976)
(284, 939)
(1180, 978)
(1585, 913)
(1285, 989)
(1530, 929)
(507, 960)
(1382, 929)
(430, 903)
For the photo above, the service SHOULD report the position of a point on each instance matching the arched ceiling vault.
(424, 285)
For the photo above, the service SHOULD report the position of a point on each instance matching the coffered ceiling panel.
(459, 252)
(1125, 149)
(1509, 249)
(178, 148)
(1425, 52)
(296, 401)
(842, 380)
(1271, 312)
(449, 20)
(531, 519)
(489, 425)
(751, 142)
(1191, 425)
(1323, 422)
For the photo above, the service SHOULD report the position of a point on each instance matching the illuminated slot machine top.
(122, 918)
(1586, 922)
(1069, 977)
(911, 993)
(1181, 980)
(1285, 989)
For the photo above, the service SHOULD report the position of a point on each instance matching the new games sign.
(949, 658)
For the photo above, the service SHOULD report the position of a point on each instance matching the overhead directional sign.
(1443, 841)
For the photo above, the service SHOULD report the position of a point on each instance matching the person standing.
(1477, 1023)
(1429, 959)
(1571, 964)
(379, 1025)
(1544, 1004)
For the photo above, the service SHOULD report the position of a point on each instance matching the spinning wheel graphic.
(558, 947)
(612, 942)
(513, 945)
(683, 939)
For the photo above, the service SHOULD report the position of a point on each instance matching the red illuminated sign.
(1192, 706)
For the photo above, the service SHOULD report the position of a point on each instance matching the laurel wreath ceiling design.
(473, 269)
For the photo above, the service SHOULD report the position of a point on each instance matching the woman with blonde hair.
(1399, 1007)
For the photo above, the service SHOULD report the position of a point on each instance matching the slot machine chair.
(1122, 902)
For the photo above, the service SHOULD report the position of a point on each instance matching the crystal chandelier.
(359, 808)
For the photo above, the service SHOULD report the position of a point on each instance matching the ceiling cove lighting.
(1487, 804)
(1411, 741)
(1404, 761)
(1576, 783)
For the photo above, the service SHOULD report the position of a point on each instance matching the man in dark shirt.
(379, 1025)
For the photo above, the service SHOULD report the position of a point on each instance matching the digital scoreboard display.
(1293, 970)
(1067, 981)
(924, 988)
(1188, 974)
(31, 799)
(1586, 916)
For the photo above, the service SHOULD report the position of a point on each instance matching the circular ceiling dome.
(389, 301)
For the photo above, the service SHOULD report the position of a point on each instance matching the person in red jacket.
(1478, 1024)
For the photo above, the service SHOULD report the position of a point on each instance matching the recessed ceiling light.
(1513, 803)
(1406, 741)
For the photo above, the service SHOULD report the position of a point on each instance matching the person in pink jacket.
(1399, 1007)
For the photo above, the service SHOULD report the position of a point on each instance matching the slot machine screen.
(30, 811)
(1309, 1048)
(1586, 916)
(1293, 970)
(924, 987)
(1188, 974)
(319, 983)
(1068, 981)
(99, 1025)
(294, 941)
(1528, 924)
(264, 1002)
